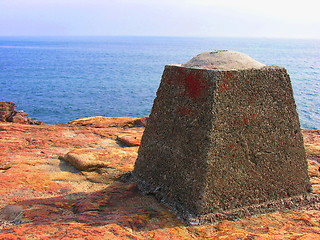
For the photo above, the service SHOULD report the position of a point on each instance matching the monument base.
(308, 201)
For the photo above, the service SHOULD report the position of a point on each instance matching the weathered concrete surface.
(43, 197)
(223, 60)
(224, 142)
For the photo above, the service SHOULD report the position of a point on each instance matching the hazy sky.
(223, 18)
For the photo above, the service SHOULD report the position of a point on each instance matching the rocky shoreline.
(65, 182)
(8, 113)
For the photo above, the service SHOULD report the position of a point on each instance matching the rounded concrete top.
(223, 60)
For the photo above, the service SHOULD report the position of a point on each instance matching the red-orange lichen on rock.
(128, 140)
(43, 197)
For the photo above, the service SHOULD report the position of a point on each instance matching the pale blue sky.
(223, 18)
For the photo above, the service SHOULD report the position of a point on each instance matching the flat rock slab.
(90, 159)
(43, 197)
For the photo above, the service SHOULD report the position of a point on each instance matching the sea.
(59, 79)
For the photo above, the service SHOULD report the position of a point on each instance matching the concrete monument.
(223, 140)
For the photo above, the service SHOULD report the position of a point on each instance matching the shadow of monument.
(120, 203)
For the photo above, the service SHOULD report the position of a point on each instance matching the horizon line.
(158, 36)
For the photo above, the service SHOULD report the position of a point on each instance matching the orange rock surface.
(63, 182)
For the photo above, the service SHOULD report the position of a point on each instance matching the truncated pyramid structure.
(223, 140)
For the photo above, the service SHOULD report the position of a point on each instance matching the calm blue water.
(57, 80)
